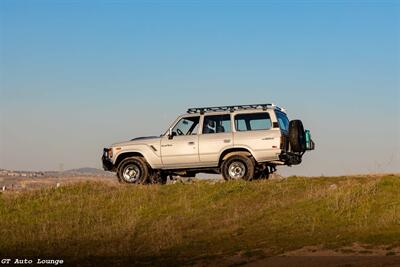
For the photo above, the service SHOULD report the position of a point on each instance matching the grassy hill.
(185, 223)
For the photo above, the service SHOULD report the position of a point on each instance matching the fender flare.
(131, 153)
(242, 151)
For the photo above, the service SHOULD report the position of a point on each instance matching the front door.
(181, 149)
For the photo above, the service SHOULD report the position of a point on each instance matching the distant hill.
(86, 170)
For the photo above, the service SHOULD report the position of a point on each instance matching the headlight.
(108, 152)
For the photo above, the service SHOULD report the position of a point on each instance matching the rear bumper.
(290, 158)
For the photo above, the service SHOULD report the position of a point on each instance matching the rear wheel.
(133, 170)
(238, 167)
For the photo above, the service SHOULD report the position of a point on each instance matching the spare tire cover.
(297, 138)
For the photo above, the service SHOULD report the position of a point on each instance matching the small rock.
(276, 176)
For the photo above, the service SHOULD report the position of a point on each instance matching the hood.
(137, 140)
(144, 137)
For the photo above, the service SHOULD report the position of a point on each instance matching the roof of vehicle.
(234, 108)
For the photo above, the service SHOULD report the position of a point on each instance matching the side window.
(186, 126)
(217, 124)
(253, 122)
(282, 120)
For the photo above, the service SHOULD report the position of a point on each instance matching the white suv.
(239, 142)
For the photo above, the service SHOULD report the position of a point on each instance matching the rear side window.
(252, 122)
(217, 124)
(282, 120)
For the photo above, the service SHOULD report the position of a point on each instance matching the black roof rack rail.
(232, 108)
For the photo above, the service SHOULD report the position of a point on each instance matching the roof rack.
(233, 108)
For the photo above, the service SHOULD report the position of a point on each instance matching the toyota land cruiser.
(240, 142)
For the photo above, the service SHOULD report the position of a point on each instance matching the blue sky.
(79, 75)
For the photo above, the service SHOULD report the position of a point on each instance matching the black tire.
(138, 170)
(236, 163)
(158, 178)
(261, 175)
(297, 138)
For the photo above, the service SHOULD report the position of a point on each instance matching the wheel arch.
(125, 155)
(234, 151)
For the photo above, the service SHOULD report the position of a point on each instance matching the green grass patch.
(182, 223)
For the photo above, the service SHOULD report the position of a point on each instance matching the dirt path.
(357, 255)
(327, 261)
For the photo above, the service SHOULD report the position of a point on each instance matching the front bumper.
(107, 162)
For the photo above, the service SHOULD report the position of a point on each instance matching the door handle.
(191, 143)
(227, 140)
(268, 138)
(166, 145)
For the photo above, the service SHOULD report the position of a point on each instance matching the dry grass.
(183, 223)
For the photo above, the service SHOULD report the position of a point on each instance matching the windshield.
(186, 126)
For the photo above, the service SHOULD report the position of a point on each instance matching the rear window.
(253, 122)
(283, 121)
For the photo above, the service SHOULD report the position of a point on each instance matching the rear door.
(283, 123)
(255, 131)
(216, 136)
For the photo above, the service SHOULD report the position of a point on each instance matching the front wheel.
(238, 167)
(133, 170)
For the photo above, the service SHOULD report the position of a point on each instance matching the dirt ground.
(357, 255)
(23, 183)
(26, 183)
